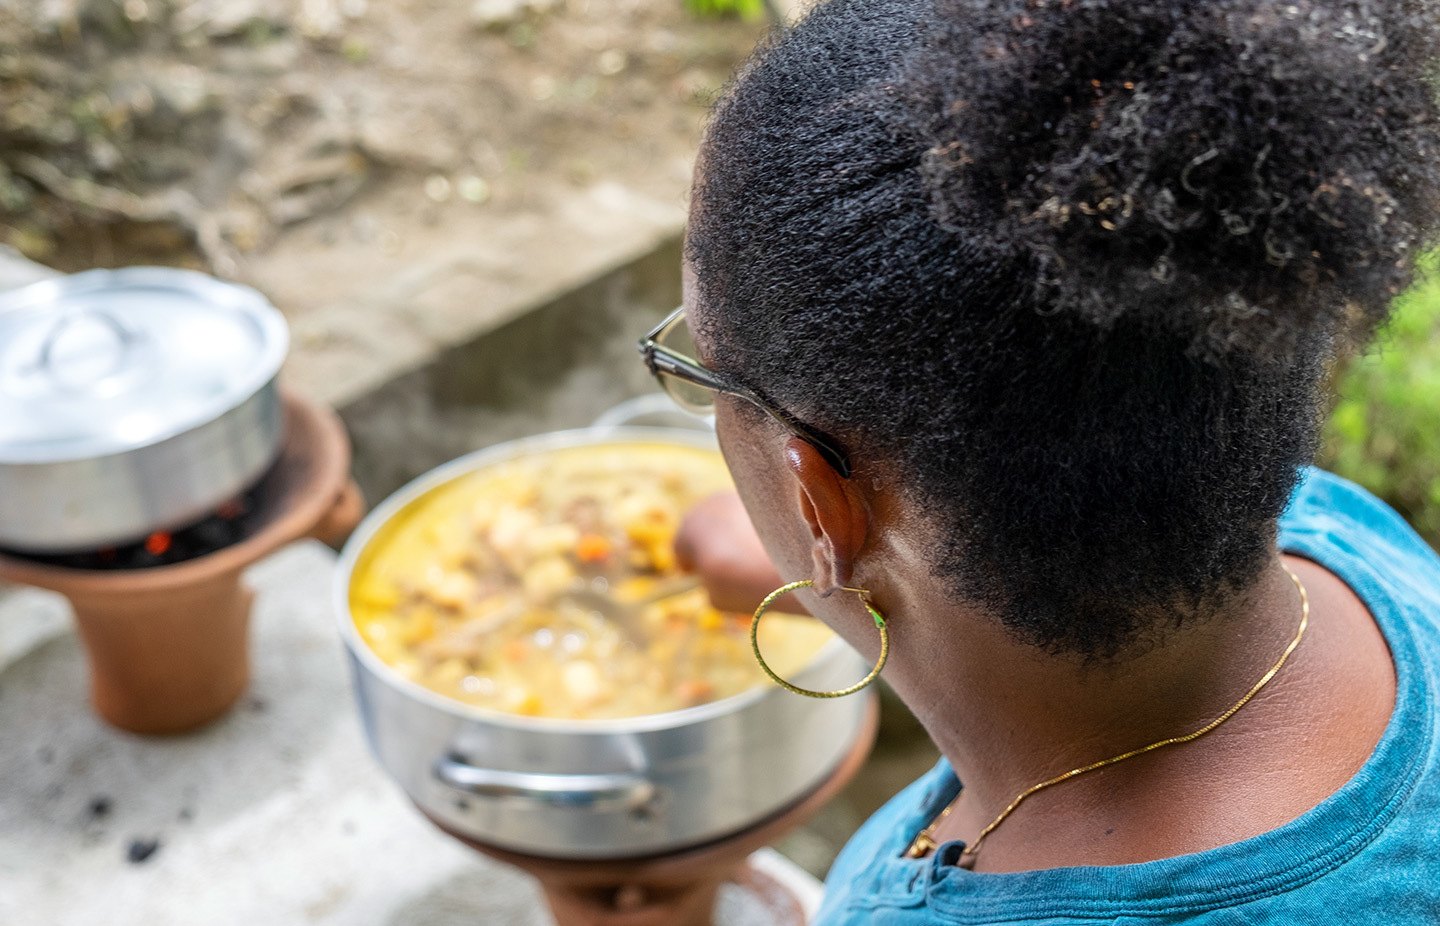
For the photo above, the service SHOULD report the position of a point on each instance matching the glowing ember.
(231, 523)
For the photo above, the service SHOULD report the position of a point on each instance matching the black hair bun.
(1239, 170)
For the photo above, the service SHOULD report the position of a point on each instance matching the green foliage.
(745, 9)
(1385, 430)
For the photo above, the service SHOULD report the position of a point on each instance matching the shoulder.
(1361, 534)
(870, 866)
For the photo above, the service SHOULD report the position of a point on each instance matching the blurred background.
(462, 207)
(467, 211)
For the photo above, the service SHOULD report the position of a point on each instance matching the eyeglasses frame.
(661, 359)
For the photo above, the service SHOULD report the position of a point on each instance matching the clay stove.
(164, 621)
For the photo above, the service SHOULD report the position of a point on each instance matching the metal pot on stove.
(131, 401)
(595, 788)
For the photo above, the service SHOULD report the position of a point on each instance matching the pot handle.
(616, 791)
(123, 343)
(337, 524)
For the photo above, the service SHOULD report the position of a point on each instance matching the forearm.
(717, 542)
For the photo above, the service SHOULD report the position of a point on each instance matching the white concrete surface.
(18, 271)
(275, 815)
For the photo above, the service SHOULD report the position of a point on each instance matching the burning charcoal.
(214, 534)
(231, 523)
(141, 850)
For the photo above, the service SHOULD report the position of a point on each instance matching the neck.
(1006, 715)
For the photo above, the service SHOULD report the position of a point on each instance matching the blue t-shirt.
(1368, 854)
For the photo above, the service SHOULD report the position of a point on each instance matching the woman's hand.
(718, 542)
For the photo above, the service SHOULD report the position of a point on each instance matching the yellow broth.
(463, 591)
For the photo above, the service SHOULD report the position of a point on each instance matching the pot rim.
(472, 462)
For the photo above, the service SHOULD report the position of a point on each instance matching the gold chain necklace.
(925, 841)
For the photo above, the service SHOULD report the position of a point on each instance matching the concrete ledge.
(557, 365)
(423, 373)
(479, 279)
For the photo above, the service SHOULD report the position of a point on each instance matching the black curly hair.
(1071, 271)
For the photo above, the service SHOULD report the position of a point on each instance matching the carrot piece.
(592, 548)
(694, 691)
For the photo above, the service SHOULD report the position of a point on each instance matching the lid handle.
(74, 359)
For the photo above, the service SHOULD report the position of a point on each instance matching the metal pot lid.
(107, 361)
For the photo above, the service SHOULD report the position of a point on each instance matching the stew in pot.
(470, 590)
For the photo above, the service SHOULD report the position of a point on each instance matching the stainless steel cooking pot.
(131, 401)
(595, 788)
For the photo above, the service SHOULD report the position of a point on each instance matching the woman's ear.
(836, 514)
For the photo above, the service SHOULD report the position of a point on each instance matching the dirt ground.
(316, 147)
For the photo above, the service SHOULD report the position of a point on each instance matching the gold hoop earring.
(838, 693)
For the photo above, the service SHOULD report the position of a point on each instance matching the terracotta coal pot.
(679, 888)
(168, 646)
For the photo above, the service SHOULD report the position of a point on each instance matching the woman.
(1017, 315)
